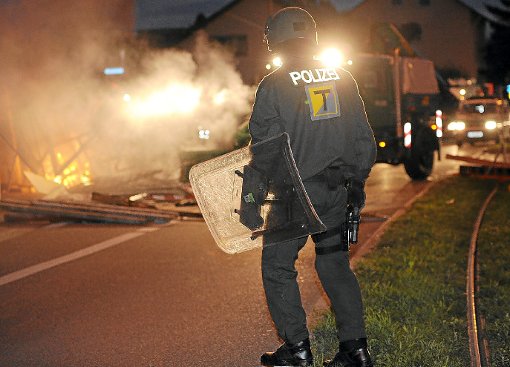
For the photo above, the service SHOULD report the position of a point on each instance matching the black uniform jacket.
(321, 110)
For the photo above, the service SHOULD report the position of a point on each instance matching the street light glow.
(277, 61)
(332, 57)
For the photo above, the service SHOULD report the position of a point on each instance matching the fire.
(59, 168)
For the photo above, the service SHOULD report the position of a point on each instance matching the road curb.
(373, 240)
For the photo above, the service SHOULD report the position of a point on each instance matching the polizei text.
(313, 75)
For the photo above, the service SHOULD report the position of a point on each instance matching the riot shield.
(254, 195)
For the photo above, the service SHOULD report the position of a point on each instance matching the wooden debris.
(88, 212)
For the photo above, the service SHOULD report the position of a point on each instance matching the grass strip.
(494, 269)
(413, 283)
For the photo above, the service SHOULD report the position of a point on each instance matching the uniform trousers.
(279, 274)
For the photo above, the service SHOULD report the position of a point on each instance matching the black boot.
(353, 353)
(298, 355)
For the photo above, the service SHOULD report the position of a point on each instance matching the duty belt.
(333, 176)
(342, 246)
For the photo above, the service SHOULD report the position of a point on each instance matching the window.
(374, 83)
(396, 2)
(424, 2)
(238, 43)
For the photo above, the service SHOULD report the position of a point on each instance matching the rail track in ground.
(478, 345)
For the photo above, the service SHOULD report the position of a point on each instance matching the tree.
(497, 51)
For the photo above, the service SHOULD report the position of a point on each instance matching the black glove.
(356, 193)
(253, 195)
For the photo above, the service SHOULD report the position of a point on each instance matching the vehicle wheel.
(419, 165)
(419, 161)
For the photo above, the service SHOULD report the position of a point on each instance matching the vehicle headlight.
(490, 125)
(456, 126)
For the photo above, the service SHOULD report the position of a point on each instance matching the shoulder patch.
(322, 100)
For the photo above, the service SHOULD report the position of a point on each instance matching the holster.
(348, 234)
(342, 246)
(334, 176)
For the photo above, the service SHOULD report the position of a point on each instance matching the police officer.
(334, 149)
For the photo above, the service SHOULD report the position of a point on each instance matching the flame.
(77, 172)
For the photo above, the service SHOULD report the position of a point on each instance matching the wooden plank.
(478, 161)
(87, 212)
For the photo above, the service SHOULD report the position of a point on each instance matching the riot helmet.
(290, 24)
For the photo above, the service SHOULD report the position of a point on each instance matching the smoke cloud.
(71, 122)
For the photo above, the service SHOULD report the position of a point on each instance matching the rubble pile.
(157, 207)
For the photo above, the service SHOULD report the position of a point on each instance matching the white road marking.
(31, 270)
(56, 225)
(148, 229)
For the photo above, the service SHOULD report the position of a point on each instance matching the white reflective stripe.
(34, 269)
(407, 141)
(407, 135)
(439, 123)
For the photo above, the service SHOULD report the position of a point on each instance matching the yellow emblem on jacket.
(322, 100)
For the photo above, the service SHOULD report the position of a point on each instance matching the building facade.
(446, 31)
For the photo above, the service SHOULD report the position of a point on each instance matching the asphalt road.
(103, 295)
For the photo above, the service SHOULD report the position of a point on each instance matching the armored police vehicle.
(401, 99)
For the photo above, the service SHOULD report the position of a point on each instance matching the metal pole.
(16, 166)
(396, 81)
(16, 152)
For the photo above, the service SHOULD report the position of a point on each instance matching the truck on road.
(402, 99)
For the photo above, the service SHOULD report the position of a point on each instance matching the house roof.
(479, 6)
(183, 14)
(345, 5)
(175, 14)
